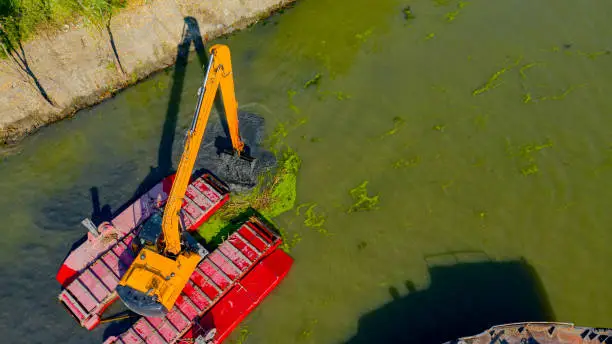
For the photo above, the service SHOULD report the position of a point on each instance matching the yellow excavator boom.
(219, 73)
(161, 270)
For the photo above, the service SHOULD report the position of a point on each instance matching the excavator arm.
(219, 73)
(162, 268)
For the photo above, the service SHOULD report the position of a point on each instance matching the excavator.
(167, 255)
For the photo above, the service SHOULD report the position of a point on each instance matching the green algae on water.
(529, 170)
(342, 96)
(526, 155)
(243, 334)
(314, 81)
(275, 141)
(451, 16)
(491, 82)
(289, 242)
(562, 95)
(363, 37)
(441, 3)
(403, 163)
(273, 195)
(361, 200)
(398, 122)
(528, 66)
(439, 127)
(291, 94)
(408, 14)
(591, 55)
(307, 332)
(314, 220)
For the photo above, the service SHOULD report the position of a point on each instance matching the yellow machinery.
(165, 263)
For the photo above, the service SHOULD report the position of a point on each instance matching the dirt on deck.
(77, 67)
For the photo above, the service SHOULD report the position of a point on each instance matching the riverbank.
(81, 66)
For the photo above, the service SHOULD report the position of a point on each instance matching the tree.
(11, 38)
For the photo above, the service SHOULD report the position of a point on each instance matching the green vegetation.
(441, 3)
(403, 163)
(342, 96)
(307, 332)
(243, 334)
(275, 139)
(20, 20)
(590, 55)
(526, 155)
(291, 94)
(446, 185)
(439, 127)
(362, 245)
(594, 55)
(526, 67)
(314, 81)
(273, 195)
(408, 14)
(313, 220)
(450, 16)
(528, 97)
(529, 170)
(398, 122)
(561, 95)
(363, 37)
(361, 200)
(492, 82)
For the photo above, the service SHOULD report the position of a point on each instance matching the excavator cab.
(153, 301)
(167, 254)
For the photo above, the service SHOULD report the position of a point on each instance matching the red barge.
(226, 286)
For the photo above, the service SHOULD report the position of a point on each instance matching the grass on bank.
(21, 20)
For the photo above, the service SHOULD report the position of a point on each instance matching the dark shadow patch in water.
(118, 327)
(99, 214)
(190, 35)
(463, 299)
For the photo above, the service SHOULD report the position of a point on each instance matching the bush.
(20, 20)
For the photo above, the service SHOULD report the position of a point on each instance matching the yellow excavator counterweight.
(164, 264)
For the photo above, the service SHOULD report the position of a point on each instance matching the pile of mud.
(238, 174)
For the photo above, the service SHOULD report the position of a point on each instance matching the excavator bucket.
(238, 168)
(141, 303)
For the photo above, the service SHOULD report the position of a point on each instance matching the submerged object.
(539, 333)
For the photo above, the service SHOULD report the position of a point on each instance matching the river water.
(483, 126)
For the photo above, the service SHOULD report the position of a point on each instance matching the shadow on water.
(190, 35)
(99, 214)
(463, 299)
